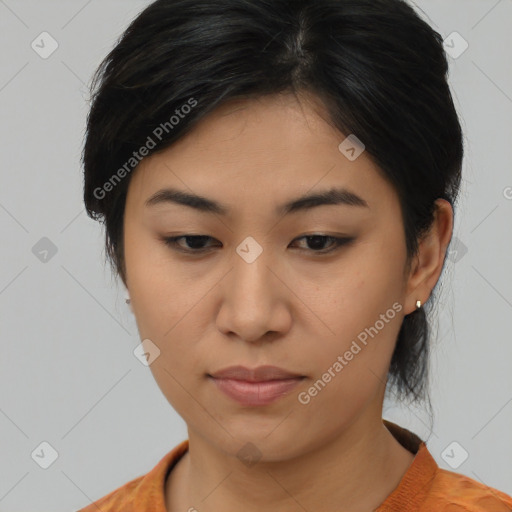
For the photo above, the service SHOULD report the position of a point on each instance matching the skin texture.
(291, 307)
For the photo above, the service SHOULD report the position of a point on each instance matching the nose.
(255, 302)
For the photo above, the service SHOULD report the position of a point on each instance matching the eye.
(195, 243)
(318, 242)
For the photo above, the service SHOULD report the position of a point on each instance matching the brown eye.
(316, 243)
(196, 243)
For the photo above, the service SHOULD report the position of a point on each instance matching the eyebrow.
(333, 196)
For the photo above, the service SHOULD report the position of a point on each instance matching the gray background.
(68, 375)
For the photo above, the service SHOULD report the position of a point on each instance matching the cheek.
(361, 312)
(168, 302)
(156, 290)
(355, 293)
(350, 371)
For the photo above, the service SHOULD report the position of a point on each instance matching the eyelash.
(338, 242)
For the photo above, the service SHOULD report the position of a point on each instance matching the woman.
(277, 180)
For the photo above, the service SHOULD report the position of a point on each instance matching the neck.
(355, 471)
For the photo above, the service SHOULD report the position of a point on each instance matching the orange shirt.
(423, 488)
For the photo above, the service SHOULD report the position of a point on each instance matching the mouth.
(255, 387)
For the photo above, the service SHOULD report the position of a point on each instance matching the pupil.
(318, 239)
(197, 240)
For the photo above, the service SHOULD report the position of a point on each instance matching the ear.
(428, 264)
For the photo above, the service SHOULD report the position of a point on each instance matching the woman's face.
(256, 291)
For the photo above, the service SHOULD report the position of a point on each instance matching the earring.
(418, 304)
(127, 301)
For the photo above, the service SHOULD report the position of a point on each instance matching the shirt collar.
(417, 480)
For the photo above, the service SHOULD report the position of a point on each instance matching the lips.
(255, 387)
(259, 374)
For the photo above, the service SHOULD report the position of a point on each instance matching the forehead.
(273, 148)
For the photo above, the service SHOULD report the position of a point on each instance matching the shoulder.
(454, 492)
(143, 493)
(426, 487)
(119, 499)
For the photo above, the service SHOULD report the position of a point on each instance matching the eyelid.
(337, 243)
